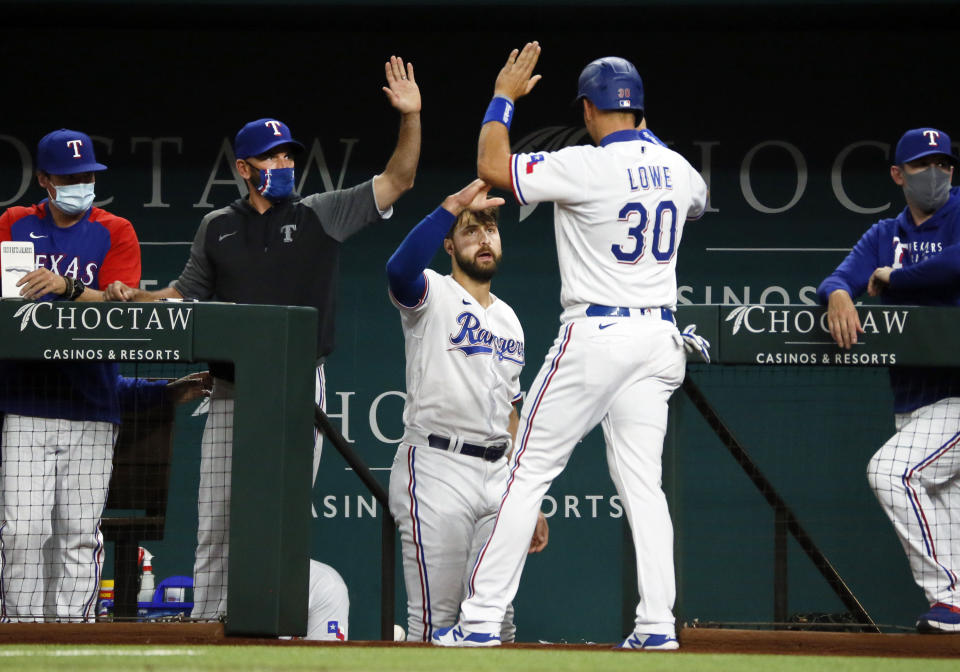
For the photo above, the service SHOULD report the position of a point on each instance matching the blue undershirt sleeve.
(140, 393)
(405, 267)
(942, 270)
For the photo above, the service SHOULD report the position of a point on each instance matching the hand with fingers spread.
(516, 78)
(401, 89)
(473, 197)
(190, 387)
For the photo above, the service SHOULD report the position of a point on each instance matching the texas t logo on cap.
(262, 135)
(919, 142)
(67, 152)
(76, 144)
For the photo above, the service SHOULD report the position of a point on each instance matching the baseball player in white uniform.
(619, 213)
(464, 351)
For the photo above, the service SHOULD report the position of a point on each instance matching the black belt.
(488, 453)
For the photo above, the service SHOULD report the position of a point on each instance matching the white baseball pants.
(328, 615)
(54, 477)
(916, 477)
(444, 505)
(618, 372)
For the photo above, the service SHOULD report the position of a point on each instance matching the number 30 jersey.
(619, 211)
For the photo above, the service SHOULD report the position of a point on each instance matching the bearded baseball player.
(913, 259)
(619, 213)
(465, 350)
(275, 247)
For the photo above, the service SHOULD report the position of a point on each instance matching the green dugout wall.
(789, 110)
(273, 417)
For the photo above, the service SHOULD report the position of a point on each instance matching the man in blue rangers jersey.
(914, 258)
(59, 419)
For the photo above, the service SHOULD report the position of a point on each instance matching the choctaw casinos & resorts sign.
(71, 331)
(799, 335)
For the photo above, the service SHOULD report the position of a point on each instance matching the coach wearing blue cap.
(59, 418)
(103, 248)
(276, 247)
(914, 259)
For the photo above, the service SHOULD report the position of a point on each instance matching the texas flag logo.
(533, 161)
(333, 628)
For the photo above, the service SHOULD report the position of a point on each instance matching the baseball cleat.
(942, 617)
(457, 635)
(648, 642)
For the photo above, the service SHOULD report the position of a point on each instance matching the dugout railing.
(274, 407)
(273, 419)
(798, 336)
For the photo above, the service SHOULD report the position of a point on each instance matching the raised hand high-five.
(402, 90)
(516, 78)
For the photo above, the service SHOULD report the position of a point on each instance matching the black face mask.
(927, 190)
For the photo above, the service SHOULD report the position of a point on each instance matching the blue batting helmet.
(611, 83)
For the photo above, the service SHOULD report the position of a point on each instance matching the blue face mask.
(74, 199)
(276, 184)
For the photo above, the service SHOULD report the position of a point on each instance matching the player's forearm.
(493, 155)
(829, 286)
(117, 291)
(90, 295)
(406, 265)
(144, 296)
(942, 270)
(401, 169)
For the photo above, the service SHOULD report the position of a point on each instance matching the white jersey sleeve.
(699, 194)
(559, 176)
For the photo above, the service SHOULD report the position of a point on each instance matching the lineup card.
(16, 260)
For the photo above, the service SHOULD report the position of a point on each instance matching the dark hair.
(485, 216)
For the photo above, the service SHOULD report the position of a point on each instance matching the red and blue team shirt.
(97, 250)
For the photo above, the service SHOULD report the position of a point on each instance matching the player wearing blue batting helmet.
(612, 83)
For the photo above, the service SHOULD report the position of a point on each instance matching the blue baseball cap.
(261, 136)
(67, 152)
(919, 142)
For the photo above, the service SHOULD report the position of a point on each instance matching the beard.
(477, 271)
